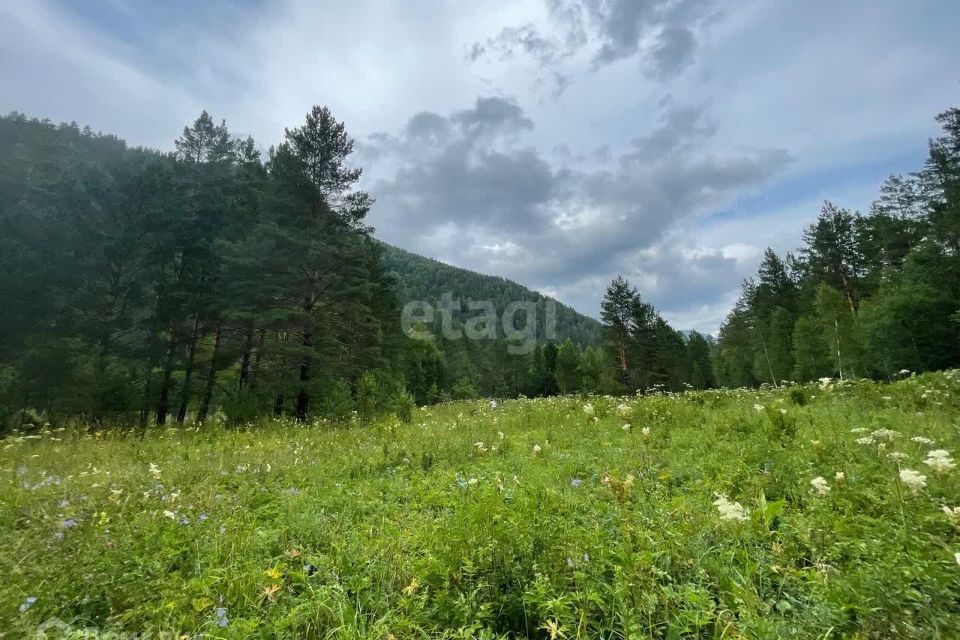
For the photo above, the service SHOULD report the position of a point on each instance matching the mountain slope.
(426, 279)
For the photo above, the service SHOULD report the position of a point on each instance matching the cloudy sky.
(555, 142)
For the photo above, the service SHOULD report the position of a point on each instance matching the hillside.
(422, 278)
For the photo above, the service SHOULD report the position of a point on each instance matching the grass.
(393, 530)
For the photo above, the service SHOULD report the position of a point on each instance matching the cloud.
(667, 140)
(469, 189)
(663, 33)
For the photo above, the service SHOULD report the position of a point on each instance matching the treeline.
(139, 287)
(142, 286)
(866, 295)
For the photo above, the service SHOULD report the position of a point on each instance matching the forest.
(140, 287)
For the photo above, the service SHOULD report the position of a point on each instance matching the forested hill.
(425, 279)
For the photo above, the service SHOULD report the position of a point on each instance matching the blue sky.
(555, 142)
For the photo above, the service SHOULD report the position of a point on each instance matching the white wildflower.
(626, 426)
(758, 407)
(939, 460)
(922, 440)
(858, 430)
(730, 510)
(897, 456)
(820, 486)
(840, 477)
(866, 440)
(645, 431)
(155, 471)
(624, 411)
(913, 480)
(588, 409)
(536, 449)
(953, 514)
(885, 434)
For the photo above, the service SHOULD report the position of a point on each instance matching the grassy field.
(688, 516)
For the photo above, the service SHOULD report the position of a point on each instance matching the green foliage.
(869, 295)
(455, 526)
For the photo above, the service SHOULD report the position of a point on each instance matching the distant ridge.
(422, 278)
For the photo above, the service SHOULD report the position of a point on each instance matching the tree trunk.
(164, 401)
(245, 357)
(257, 358)
(211, 379)
(303, 397)
(188, 372)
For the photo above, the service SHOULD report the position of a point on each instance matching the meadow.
(829, 510)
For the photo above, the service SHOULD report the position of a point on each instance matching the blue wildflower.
(29, 602)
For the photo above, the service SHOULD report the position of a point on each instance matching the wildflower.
(645, 431)
(866, 440)
(411, 588)
(730, 510)
(536, 449)
(825, 382)
(472, 482)
(897, 456)
(858, 430)
(624, 411)
(913, 480)
(939, 460)
(493, 405)
(953, 514)
(758, 407)
(576, 482)
(500, 435)
(155, 471)
(956, 557)
(29, 602)
(626, 426)
(480, 447)
(922, 440)
(885, 434)
(222, 619)
(820, 486)
(588, 409)
(170, 514)
(840, 477)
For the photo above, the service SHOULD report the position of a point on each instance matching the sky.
(558, 143)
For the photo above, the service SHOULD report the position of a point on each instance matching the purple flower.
(222, 619)
(576, 482)
(203, 517)
(184, 520)
(69, 523)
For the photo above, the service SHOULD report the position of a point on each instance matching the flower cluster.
(914, 481)
(732, 511)
(939, 460)
(820, 486)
